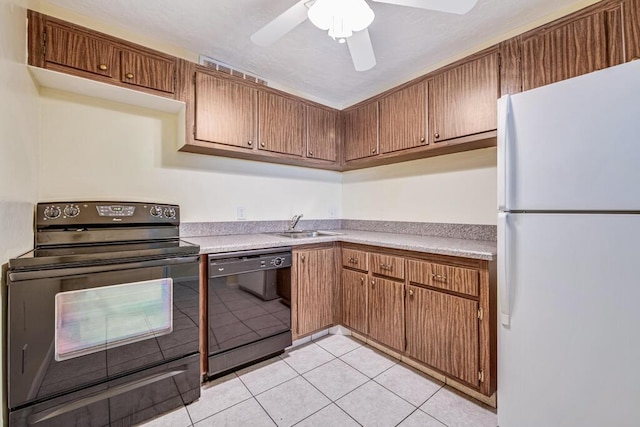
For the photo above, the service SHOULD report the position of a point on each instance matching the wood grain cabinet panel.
(632, 29)
(387, 265)
(442, 331)
(462, 100)
(386, 312)
(314, 289)
(354, 300)
(81, 51)
(403, 119)
(361, 132)
(224, 111)
(281, 124)
(454, 279)
(570, 49)
(355, 259)
(147, 71)
(321, 133)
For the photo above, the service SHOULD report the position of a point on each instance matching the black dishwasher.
(249, 307)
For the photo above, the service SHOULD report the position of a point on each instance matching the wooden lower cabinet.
(386, 312)
(354, 300)
(314, 289)
(443, 331)
(437, 310)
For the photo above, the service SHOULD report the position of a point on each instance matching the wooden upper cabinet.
(81, 51)
(443, 331)
(462, 100)
(403, 119)
(281, 124)
(361, 132)
(354, 300)
(224, 111)
(315, 279)
(321, 133)
(147, 71)
(386, 312)
(568, 49)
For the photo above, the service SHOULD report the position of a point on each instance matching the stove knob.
(170, 213)
(277, 262)
(71, 211)
(156, 211)
(52, 212)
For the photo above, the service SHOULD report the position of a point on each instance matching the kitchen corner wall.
(99, 150)
(458, 188)
(19, 125)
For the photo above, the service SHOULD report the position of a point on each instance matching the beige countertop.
(478, 249)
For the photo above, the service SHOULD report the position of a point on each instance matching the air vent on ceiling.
(228, 69)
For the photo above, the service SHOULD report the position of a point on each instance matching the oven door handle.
(74, 271)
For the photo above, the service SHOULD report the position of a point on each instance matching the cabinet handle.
(373, 284)
(129, 75)
(103, 67)
(362, 281)
(311, 153)
(373, 151)
(302, 258)
(422, 139)
(262, 144)
(249, 143)
(386, 267)
(436, 135)
(439, 277)
(410, 293)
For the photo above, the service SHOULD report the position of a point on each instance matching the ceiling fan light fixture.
(341, 17)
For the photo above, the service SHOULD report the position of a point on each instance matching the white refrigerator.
(569, 253)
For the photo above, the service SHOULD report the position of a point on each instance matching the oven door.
(74, 328)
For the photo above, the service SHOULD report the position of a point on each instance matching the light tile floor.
(332, 381)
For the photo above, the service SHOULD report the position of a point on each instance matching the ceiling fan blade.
(281, 25)
(459, 7)
(361, 50)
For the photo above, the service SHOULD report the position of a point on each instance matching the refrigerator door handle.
(505, 141)
(504, 257)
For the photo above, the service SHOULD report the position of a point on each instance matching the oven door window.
(92, 320)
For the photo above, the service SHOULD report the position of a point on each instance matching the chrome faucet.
(294, 221)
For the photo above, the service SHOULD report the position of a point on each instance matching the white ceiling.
(407, 41)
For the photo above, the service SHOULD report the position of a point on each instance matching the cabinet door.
(224, 112)
(361, 132)
(354, 300)
(147, 71)
(587, 44)
(462, 100)
(442, 331)
(632, 29)
(315, 289)
(403, 119)
(81, 51)
(281, 124)
(386, 312)
(321, 133)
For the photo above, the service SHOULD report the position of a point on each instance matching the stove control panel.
(64, 214)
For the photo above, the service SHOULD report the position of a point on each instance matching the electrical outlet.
(241, 213)
(333, 212)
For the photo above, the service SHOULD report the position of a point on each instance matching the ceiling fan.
(347, 21)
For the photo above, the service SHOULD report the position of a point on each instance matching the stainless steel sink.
(303, 234)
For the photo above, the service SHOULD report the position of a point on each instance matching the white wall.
(19, 130)
(457, 188)
(93, 149)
